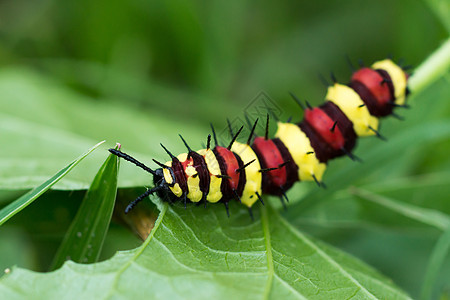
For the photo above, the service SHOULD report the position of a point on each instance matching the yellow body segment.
(252, 174)
(298, 145)
(176, 189)
(398, 78)
(214, 194)
(353, 107)
(193, 180)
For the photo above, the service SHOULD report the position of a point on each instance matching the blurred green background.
(73, 73)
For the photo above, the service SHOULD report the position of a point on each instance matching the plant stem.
(436, 65)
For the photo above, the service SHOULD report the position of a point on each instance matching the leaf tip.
(99, 143)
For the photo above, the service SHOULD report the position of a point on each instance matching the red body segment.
(270, 157)
(231, 165)
(325, 127)
(374, 82)
(185, 164)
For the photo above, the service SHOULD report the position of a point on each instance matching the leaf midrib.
(99, 217)
(139, 250)
(270, 267)
(268, 245)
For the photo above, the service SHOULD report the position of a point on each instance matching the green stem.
(436, 65)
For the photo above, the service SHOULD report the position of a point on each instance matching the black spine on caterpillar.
(298, 152)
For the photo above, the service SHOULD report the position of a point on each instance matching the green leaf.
(441, 9)
(13, 208)
(84, 240)
(35, 145)
(427, 216)
(346, 210)
(435, 263)
(202, 254)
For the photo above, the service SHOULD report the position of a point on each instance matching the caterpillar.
(298, 152)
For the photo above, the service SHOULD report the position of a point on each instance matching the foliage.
(139, 73)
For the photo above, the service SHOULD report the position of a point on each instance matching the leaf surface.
(35, 145)
(197, 253)
(84, 239)
(15, 207)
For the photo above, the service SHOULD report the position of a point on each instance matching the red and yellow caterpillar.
(299, 152)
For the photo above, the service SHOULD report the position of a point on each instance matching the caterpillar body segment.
(251, 168)
(353, 107)
(299, 152)
(215, 192)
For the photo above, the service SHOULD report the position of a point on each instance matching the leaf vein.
(284, 283)
(327, 258)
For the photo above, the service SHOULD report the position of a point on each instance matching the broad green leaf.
(15, 207)
(84, 240)
(223, 257)
(35, 145)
